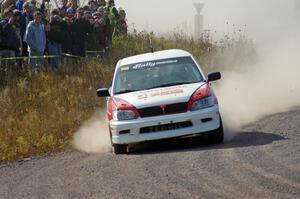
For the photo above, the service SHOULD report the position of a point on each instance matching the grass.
(40, 113)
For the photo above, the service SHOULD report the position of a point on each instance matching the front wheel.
(217, 136)
(120, 148)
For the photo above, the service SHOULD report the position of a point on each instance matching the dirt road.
(262, 161)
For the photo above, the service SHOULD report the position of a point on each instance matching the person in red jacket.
(101, 33)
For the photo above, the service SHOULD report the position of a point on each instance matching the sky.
(259, 16)
(271, 84)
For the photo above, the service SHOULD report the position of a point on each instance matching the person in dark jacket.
(66, 35)
(101, 32)
(91, 38)
(26, 17)
(17, 27)
(108, 27)
(9, 37)
(80, 28)
(54, 39)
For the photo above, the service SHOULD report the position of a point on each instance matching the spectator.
(7, 4)
(70, 30)
(91, 40)
(63, 8)
(96, 15)
(62, 12)
(108, 27)
(86, 8)
(1, 38)
(93, 6)
(67, 35)
(26, 17)
(101, 32)
(80, 28)
(34, 6)
(54, 12)
(67, 31)
(17, 20)
(54, 38)
(121, 27)
(17, 29)
(36, 39)
(101, 3)
(19, 5)
(112, 14)
(9, 37)
(71, 12)
(72, 4)
(101, 11)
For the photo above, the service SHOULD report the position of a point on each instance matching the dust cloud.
(93, 136)
(269, 86)
(272, 84)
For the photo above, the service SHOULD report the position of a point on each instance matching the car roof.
(164, 54)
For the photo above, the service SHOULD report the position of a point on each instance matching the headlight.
(203, 103)
(124, 115)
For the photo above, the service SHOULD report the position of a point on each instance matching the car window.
(154, 74)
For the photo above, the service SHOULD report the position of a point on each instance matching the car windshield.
(155, 74)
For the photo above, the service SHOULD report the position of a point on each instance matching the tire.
(217, 136)
(110, 136)
(120, 148)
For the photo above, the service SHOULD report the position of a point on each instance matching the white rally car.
(161, 95)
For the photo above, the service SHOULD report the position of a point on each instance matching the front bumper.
(202, 121)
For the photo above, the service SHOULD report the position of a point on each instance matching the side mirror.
(103, 92)
(214, 76)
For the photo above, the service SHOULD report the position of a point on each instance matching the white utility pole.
(198, 20)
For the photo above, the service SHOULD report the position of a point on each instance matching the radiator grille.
(159, 110)
(166, 127)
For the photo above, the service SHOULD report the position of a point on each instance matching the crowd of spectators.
(28, 28)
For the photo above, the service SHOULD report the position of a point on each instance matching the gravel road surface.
(261, 161)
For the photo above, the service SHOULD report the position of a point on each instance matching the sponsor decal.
(152, 64)
(143, 65)
(126, 68)
(161, 93)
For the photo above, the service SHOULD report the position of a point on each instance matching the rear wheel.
(120, 148)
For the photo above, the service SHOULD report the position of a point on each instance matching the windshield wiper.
(171, 84)
(125, 91)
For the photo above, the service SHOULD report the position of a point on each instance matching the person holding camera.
(80, 28)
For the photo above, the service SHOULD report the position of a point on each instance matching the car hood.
(159, 96)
